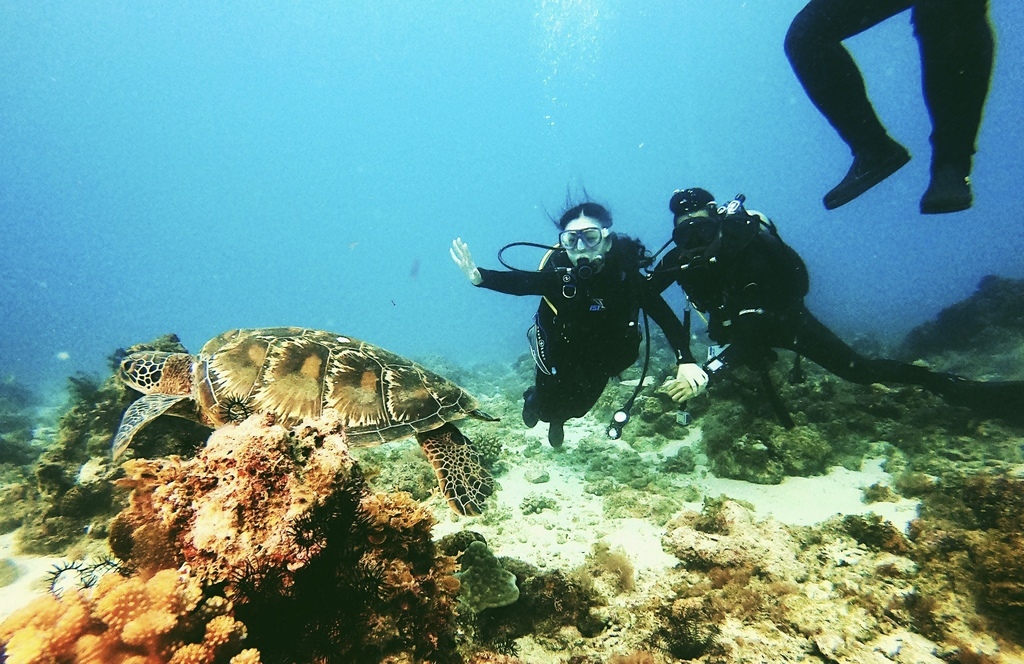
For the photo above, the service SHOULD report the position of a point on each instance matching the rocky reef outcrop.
(995, 308)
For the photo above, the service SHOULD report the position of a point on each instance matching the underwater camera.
(733, 206)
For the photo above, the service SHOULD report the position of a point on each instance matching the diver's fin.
(139, 414)
(462, 478)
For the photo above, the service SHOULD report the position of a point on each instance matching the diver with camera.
(587, 326)
(735, 269)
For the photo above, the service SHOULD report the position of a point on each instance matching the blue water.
(194, 167)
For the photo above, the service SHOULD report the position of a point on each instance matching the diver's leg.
(531, 407)
(1003, 399)
(821, 345)
(834, 84)
(549, 399)
(957, 46)
(571, 392)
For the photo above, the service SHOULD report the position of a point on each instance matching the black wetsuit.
(956, 44)
(754, 298)
(590, 327)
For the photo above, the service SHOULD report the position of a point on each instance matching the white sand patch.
(563, 538)
(805, 501)
(32, 581)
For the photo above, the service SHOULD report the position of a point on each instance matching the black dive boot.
(869, 168)
(949, 189)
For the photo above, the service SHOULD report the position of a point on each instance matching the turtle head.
(153, 372)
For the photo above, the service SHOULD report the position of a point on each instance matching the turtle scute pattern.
(298, 373)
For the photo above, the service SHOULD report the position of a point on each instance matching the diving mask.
(590, 237)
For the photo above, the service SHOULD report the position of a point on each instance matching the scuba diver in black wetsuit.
(587, 324)
(732, 265)
(956, 43)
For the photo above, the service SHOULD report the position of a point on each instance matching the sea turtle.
(297, 373)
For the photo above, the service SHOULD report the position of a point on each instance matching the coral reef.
(485, 584)
(970, 544)
(401, 466)
(535, 503)
(723, 535)
(19, 450)
(17, 405)
(143, 619)
(318, 568)
(549, 603)
(629, 485)
(839, 423)
(981, 337)
(612, 563)
(806, 591)
(284, 535)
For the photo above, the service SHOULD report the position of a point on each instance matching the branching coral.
(162, 618)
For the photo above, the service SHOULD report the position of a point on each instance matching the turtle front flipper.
(143, 411)
(463, 480)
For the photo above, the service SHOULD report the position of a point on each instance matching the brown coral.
(234, 504)
(316, 565)
(133, 620)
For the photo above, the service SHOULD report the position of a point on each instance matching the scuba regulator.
(570, 276)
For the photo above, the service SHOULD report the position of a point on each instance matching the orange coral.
(132, 620)
(193, 653)
(247, 656)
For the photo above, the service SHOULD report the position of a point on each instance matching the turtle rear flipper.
(143, 411)
(463, 480)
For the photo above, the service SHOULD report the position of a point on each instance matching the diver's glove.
(460, 254)
(690, 381)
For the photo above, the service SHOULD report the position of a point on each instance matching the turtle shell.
(297, 373)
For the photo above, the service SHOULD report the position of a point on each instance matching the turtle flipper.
(463, 480)
(146, 409)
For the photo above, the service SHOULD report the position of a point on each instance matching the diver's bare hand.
(460, 254)
(690, 381)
